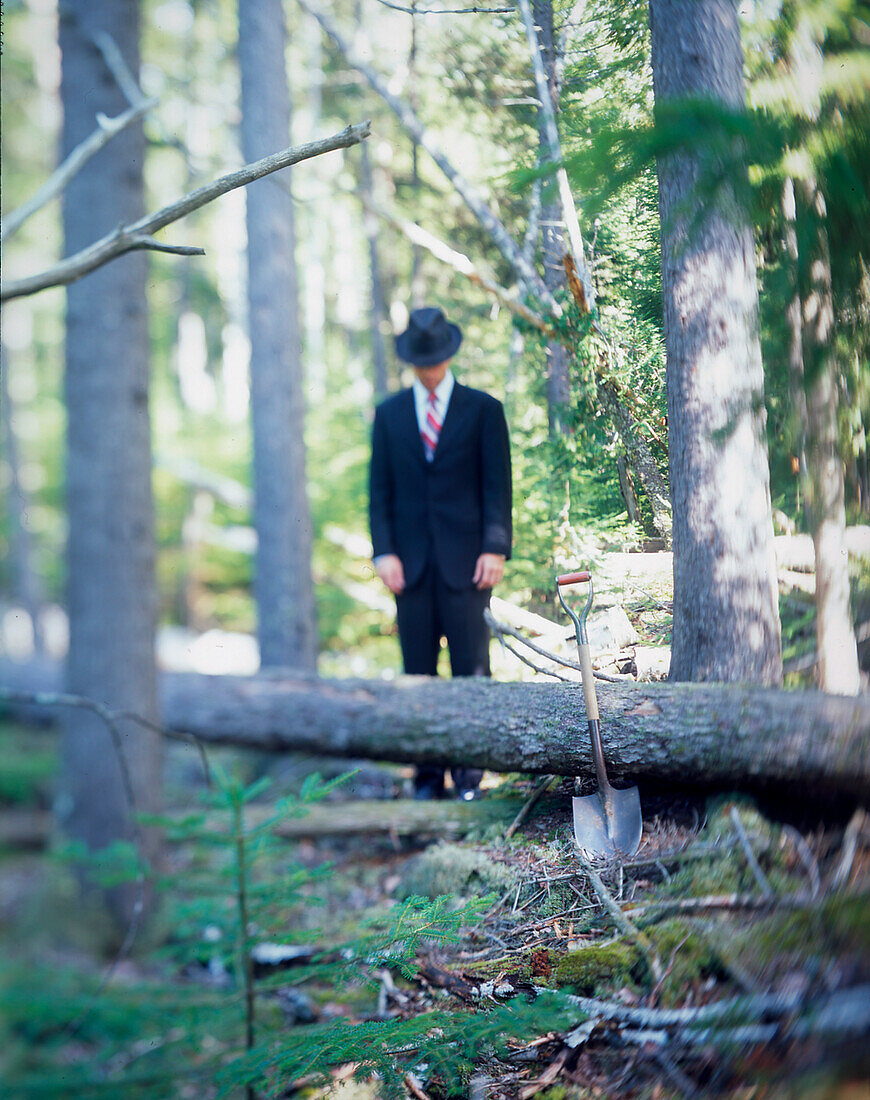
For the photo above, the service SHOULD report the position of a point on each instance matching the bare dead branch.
(551, 132)
(129, 237)
(60, 177)
(153, 245)
(500, 628)
(118, 67)
(473, 200)
(446, 11)
(461, 264)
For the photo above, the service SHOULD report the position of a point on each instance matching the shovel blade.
(608, 823)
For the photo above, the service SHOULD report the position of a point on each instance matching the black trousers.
(425, 614)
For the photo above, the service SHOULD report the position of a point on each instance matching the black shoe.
(469, 794)
(429, 783)
(466, 782)
(428, 792)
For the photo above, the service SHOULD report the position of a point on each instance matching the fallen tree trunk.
(22, 829)
(701, 734)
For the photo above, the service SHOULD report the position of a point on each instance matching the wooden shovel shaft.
(592, 716)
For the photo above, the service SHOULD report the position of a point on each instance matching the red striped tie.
(432, 430)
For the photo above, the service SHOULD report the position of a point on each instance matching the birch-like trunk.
(825, 488)
(726, 621)
(283, 587)
(553, 226)
(111, 593)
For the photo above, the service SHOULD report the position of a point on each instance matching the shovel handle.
(574, 578)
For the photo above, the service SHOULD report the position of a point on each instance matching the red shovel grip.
(574, 578)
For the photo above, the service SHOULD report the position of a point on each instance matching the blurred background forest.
(468, 78)
(452, 200)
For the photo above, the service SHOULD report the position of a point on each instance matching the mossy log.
(696, 734)
(684, 733)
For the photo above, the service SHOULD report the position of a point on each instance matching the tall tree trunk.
(27, 584)
(378, 314)
(285, 600)
(553, 226)
(814, 390)
(111, 590)
(726, 621)
(418, 285)
(825, 492)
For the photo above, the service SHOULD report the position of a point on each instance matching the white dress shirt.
(442, 399)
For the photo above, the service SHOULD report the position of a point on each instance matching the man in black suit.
(440, 511)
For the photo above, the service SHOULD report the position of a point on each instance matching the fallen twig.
(500, 628)
(850, 845)
(620, 919)
(720, 901)
(528, 806)
(754, 865)
(806, 857)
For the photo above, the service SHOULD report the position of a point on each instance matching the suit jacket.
(453, 508)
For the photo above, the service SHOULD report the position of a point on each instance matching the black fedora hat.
(429, 338)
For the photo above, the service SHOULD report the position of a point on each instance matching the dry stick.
(850, 843)
(806, 857)
(473, 200)
(499, 628)
(749, 1009)
(495, 627)
(64, 699)
(106, 129)
(619, 918)
(528, 806)
(754, 865)
(138, 234)
(721, 901)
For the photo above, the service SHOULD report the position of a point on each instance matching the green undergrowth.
(29, 765)
(190, 1016)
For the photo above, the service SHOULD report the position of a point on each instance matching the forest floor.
(730, 956)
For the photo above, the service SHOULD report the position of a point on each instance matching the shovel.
(607, 823)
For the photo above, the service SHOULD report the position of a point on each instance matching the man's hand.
(489, 570)
(389, 569)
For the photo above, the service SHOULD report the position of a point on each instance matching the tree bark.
(683, 733)
(27, 583)
(708, 735)
(111, 595)
(552, 226)
(378, 314)
(283, 588)
(825, 491)
(726, 621)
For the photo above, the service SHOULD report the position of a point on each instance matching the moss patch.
(598, 966)
(457, 870)
(688, 955)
